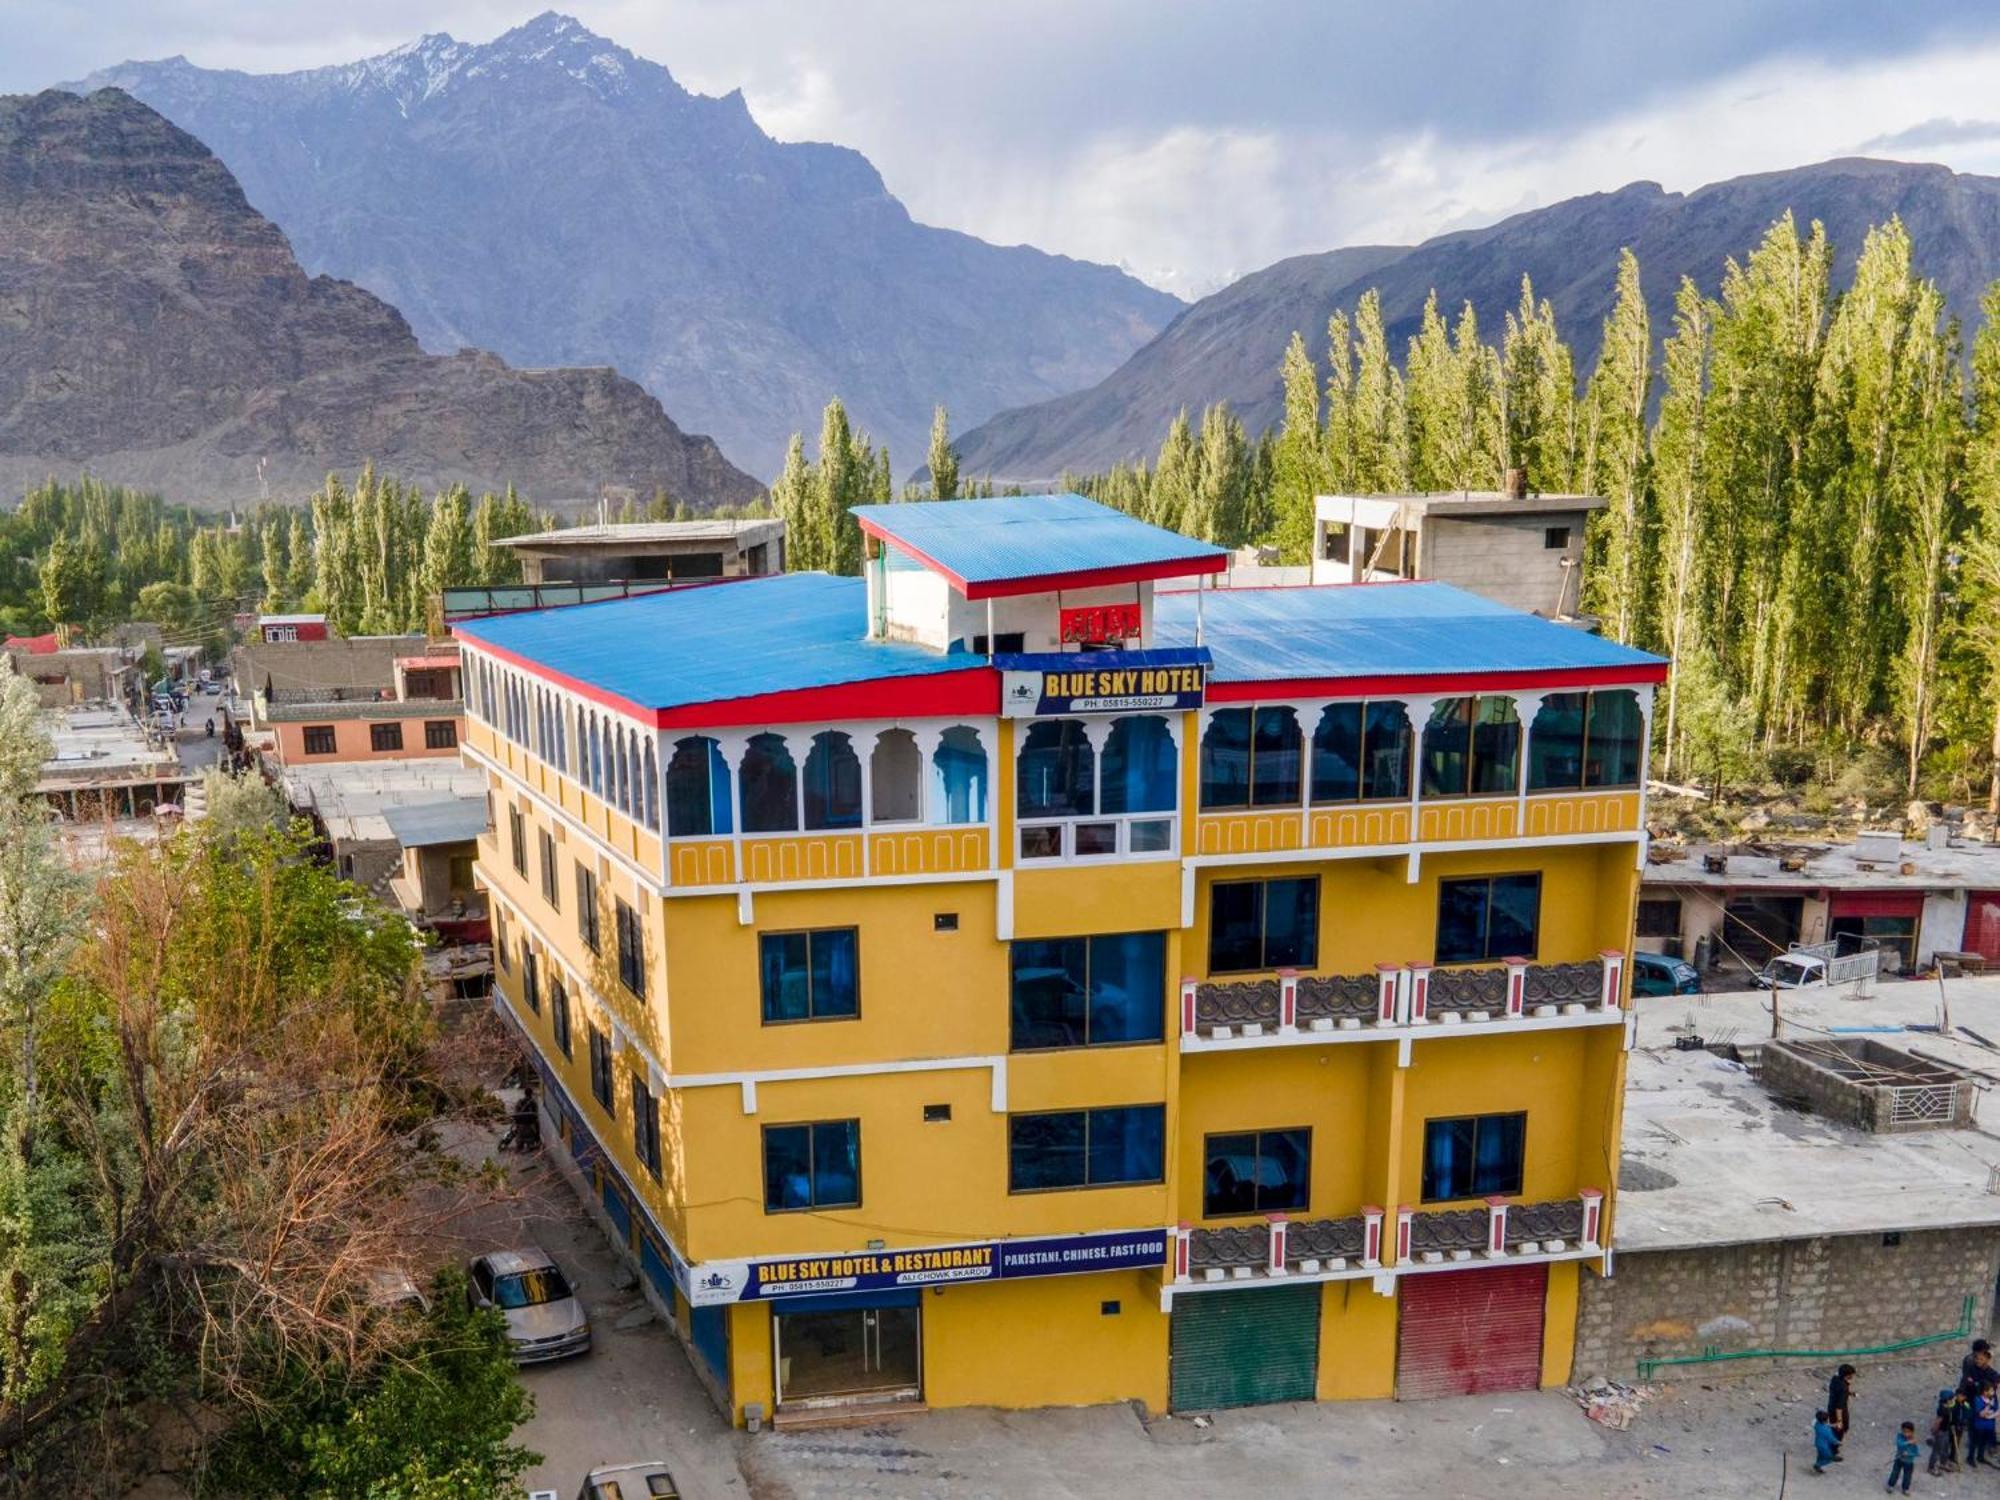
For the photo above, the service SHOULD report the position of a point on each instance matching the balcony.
(1348, 1248)
(1398, 1000)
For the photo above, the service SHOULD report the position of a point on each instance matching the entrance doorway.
(832, 1354)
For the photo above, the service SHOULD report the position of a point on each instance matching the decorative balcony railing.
(1296, 1006)
(1354, 1246)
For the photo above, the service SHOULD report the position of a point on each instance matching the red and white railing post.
(1517, 986)
(1388, 995)
(1420, 993)
(1371, 1237)
(1496, 1227)
(1181, 1235)
(1187, 1007)
(1614, 978)
(1288, 999)
(1278, 1248)
(1593, 1217)
(1403, 1215)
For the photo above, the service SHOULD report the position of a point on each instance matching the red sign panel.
(1097, 623)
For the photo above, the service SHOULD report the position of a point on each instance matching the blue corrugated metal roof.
(704, 645)
(1376, 630)
(1030, 536)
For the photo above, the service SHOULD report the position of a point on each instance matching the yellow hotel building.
(1025, 975)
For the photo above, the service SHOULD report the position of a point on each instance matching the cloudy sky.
(1191, 142)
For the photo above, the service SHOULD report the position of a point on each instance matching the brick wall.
(1849, 1292)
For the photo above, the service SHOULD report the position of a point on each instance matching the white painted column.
(864, 746)
(929, 799)
(1308, 714)
(1526, 706)
(799, 747)
(734, 746)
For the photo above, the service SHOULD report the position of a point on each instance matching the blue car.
(1662, 974)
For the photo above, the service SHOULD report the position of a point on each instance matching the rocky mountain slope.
(157, 330)
(558, 200)
(1229, 345)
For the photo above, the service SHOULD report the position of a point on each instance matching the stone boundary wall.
(1844, 1292)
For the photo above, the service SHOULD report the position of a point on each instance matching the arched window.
(1472, 748)
(770, 786)
(1586, 740)
(596, 756)
(622, 743)
(1361, 752)
(1057, 771)
(960, 779)
(561, 720)
(1250, 757)
(698, 790)
(1140, 766)
(581, 770)
(833, 782)
(652, 785)
(895, 778)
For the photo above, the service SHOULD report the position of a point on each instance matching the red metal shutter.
(1465, 1333)
(1982, 924)
(1875, 904)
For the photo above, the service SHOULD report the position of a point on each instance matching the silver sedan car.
(544, 1317)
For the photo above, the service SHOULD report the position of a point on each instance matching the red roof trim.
(973, 693)
(1556, 678)
(1043, 583)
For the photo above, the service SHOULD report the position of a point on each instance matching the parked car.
(545, 1319)
(629, 1482)
(1663, 974)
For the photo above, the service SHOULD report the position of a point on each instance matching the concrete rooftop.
(1710, 1158)
(352, 798)
(1963, 864)
(97, 744)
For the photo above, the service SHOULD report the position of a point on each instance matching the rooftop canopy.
(1386, 630)
(1031, 544)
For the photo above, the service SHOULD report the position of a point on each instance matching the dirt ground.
(635, 1396)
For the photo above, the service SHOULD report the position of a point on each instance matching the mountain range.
(556, 199)
(157, 330)
(1228, 346)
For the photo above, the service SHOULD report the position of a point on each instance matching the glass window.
(1616, 740)
(545, 849)
(1477, 1156)
(1489, 918)
(833, 782)
(650, 788)
(1555, 745)
(559, 1014)
(1361, 751)
(1257, 1172)
(1251, 758)
(588, 919)
(319, 739)
(600, 1070)
(1225, 760)
(960, 765)
(1336, 754)
(698, 790)
(517, 840)
(1275, 754)
(1141, 768)
(1057, 773)
(531, 978)
(440, 734)
(645, 1126)
(1086, 1148)
(812, 1166)
(810, 976)
(895, 778)
(385, 737)
(1472, 748)
(631, 949)
(770, 786)
(1263, 924)
(1089, 991)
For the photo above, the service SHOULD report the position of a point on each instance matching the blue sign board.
(936, 1265)
(1102, 682)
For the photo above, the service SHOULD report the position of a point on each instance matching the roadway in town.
(635, 1396)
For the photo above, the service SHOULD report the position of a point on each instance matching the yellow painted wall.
(1559, 1323)
(1539, 1072)
(1046, 1342)
(1357, 1343)
(750, 1375)
(1144, 896)
(1324, 1088)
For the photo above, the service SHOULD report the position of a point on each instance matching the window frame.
(559, 1017)
(383, 738)
(1586, 735)
(1487, 956)
(531, 978)
(603, 1067)
(646, 1126)
(1474, 1189)
(1256, 1136)
(589, 913)
(545, 853)
(1475, 760)
(517, 838)
(1088, 1113)
(1363, 774)
(1264, 882)
(811, 1127)
(811, 1016)
(632, 959)
(1089, 941)
(440, 734)
(319, 739)
(1301, 752)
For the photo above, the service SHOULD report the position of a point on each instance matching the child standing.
(1985, 1416)
(1825, 1441)
(1944, 1451)
(1906, 1458)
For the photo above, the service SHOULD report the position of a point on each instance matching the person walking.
(1839, 1393)
(1905, 1464)
(1825, 1443)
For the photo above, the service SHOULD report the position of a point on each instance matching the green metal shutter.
(1245, 1348)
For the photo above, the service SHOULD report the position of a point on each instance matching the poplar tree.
(1223, 481)
(943, 458)
(1176, 478)
(1299, 469)
(1538, 387)
(1977, 633)
(1380, 435)
(1680, 481)
(1614, 458)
